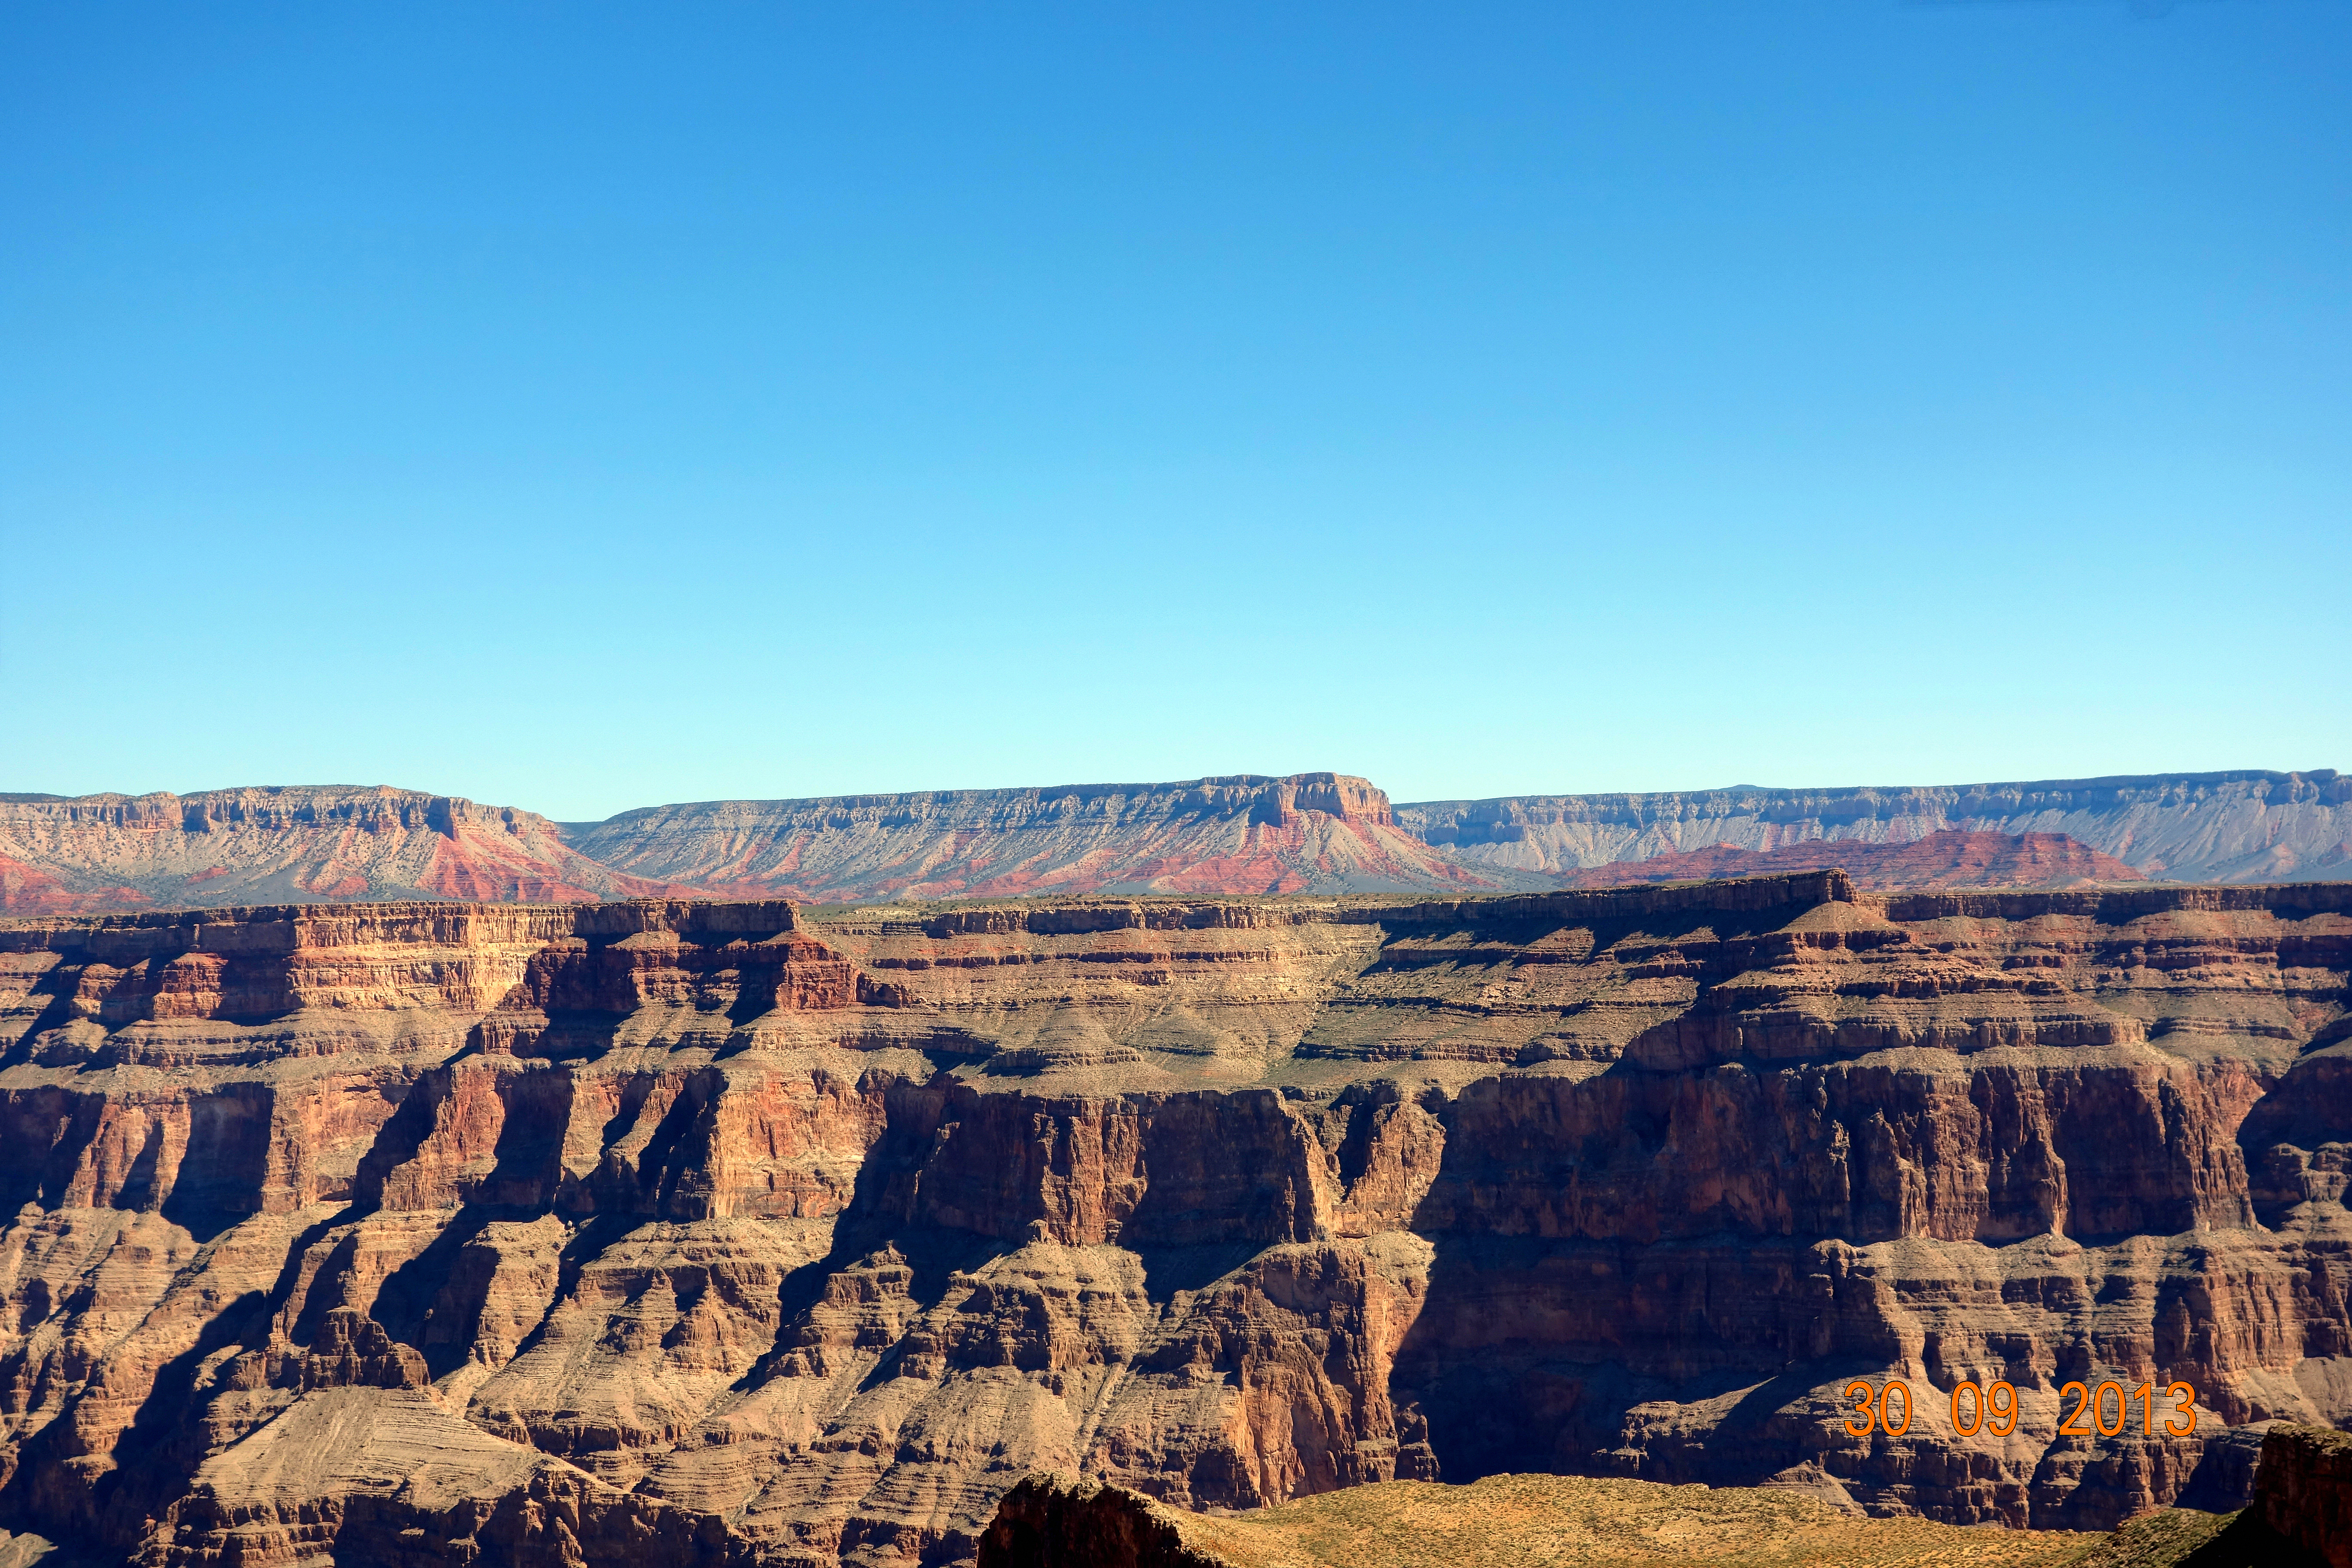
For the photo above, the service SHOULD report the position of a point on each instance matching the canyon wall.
(2304, 1499)
(1310, 833)
(221, 848)
(2248, 826)
(226, 847)
(665, 1232)
(1327, 833)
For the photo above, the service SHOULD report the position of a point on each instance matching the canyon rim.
(1310, 833)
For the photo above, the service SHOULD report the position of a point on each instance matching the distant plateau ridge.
(1305, 833)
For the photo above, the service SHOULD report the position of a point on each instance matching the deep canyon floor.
(670, 1231)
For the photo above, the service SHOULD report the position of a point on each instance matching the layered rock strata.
(663, 1231)
(226, 847)
(1950, 859)
(1327, 833)
(2247, 826)
(1314, 832)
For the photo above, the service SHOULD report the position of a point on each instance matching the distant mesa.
(1950, 858)
(2242, 826)
(1317, 833)
(298, 844)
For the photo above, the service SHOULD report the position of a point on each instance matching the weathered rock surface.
(225, 847)
(664, 1231)
(1321, 831)
(2305, 1490)
(1326, 832)
(1313, 833)
(2247, 826)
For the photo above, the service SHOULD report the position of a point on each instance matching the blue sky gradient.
(580, 407)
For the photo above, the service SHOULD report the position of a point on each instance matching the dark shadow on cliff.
(1534, 1353)
(220, 1174)
(1502, 928)
(573, 1036)
(933, 1254)
(57, 1011)
(226, 1163)
(2223, 1480)
(879, 1216)
(1168, 1269)
(426, 1303)
(155, 1458)
(583, 1247)
(2246, 1542)
(1522, 1358)
(2306, 1109)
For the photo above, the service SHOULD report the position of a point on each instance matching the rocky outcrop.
(2305, 1493)
(732, 1232)
(240, 847)
(2190, 827)
(1054, 1521)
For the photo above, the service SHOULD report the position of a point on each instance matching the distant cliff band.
(1306, 832)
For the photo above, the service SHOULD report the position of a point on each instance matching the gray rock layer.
(2249, 827)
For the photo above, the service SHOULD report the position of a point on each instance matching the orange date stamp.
(1993, 1408)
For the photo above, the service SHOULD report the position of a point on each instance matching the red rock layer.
(1950, 858)
(1319, 832)
(671, 1232)
(223, 847)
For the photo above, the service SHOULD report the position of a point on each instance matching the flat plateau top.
(1524, 1521)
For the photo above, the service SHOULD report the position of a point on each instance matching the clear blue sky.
(579, 407)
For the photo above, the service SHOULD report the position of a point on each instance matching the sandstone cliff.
(225, 847)
(2192, 828)
(662, 1231)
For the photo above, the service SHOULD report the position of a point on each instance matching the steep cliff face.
(716, 1233)
(2305, 1497)
(2194, 827)
(222, 847)
(1326, 832)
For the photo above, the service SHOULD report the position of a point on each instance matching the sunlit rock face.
(226, 847)
(2243, 826)
(1327, 833)
(664, 1231)
(1235, 835)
